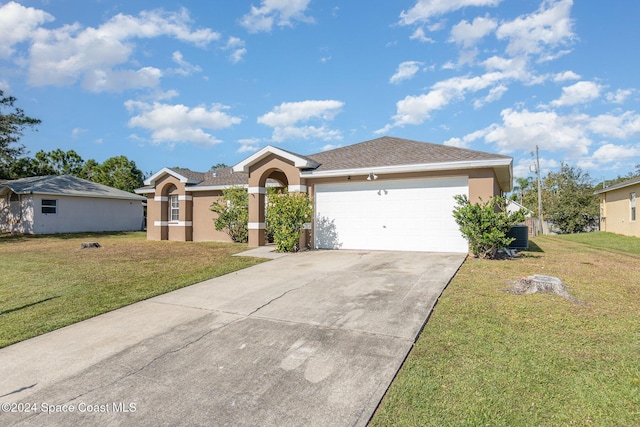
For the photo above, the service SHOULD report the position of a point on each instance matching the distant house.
(66, 204)
(513, 206)
(618, 208)
(384, 194)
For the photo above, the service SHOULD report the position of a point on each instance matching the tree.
(12, 126)
(569, 200)
(485, 225)
(57, 162)
(89, 169)
(218, 166)
(118, 172)
(233, 213)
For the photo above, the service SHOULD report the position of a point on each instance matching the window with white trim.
(174, 208)
(632, 198)
(49, 206)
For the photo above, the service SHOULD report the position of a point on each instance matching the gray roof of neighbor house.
(389, 151)
(622, 184)
(65, 185)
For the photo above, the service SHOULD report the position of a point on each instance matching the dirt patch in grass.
(488, 357)
(49, 282)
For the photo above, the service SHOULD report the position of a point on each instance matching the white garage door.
(402, 215)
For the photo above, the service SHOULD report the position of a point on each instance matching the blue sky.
(194, 84)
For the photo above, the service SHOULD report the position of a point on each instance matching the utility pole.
(539, 192)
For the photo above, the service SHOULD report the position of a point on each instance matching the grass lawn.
(48, 282)
(488, 357)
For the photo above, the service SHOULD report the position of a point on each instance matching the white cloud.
(609, 153)
(17, 24)
(579, 93)
(465, 141)
(121, 80)
(331, 147)
(236, 48)
(494, 95)
(468, 34)
(424, 10)
(414, 110)
(406, 70)
(619, 96)
(178, 123)
(419, 35)
(619, 126)
(71, 53)
(287, 120)
(77, 132)
(279, 12)
(550, 26)
(248, 145)
(566, 76)
(185, 68)
(523, 130)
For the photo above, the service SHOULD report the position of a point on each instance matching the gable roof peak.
(301, 162)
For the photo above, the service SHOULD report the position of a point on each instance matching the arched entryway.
(270, 163)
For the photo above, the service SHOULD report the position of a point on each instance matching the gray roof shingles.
(66, 185)
(389, 151)
(380, 152)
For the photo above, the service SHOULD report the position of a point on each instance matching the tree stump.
(539, 283)
(89, 245)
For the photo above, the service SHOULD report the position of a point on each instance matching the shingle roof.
(223, 176)
(389, 151)
(65, 185)
(380, 152)
(622, 184)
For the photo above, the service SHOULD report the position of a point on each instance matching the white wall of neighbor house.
(84, 214)
(16, 214)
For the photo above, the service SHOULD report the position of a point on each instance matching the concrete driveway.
(307, 339)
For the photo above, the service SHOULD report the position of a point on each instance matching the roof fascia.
(499, 165)
(618, 186)
(88, 196)
(420, 167)
(297, 161)
(166, 171)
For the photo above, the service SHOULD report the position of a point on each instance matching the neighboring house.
(66, 204)
(383, 194)
(513, 207)
(618, 208)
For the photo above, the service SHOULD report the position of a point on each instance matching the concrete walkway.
(310, 339)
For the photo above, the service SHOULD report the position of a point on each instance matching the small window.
(49, 206)
(174, 208)
(633, 206)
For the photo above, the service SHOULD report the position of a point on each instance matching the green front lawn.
(489, 357)
(47, 282)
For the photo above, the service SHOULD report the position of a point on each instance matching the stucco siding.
(80, 214)
(204, 229)
(615, 211)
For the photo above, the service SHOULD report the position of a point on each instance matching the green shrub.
(286, 215)
(486, 224)
(233, 213)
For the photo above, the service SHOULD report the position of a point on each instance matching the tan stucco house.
(383, 194)
(67, 204)
(618, 208)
